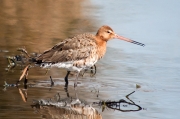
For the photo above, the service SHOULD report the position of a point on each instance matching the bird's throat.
(101, 47)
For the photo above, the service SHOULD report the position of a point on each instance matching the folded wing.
(76, 48)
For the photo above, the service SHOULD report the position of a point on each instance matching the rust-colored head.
(106, 33)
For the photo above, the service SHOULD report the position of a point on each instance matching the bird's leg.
(93, 68)
(77, 75)
(66, 90)
(24, 74)
(66, 79)
(52, 82)
(25, 78)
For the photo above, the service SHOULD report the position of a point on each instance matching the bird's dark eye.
(108, 31)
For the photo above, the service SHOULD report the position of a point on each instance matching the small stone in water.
(138, 86)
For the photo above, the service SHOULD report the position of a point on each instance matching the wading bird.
(80, 52)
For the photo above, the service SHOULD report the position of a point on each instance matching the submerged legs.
(93, 72)
(66, 79)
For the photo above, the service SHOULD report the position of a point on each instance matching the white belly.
(72, 65)
(67, 65)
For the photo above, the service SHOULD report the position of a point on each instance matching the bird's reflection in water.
(73, 107)
(57, 107)
(65, 108)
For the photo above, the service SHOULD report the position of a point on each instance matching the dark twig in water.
(127, 96)
(116, 105)
(24, 51)
(9, 85)
(11, 62)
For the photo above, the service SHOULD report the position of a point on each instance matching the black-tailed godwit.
(80, 52)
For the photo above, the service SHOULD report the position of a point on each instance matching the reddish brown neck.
(101, 47)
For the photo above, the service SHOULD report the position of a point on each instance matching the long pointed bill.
(128, 40)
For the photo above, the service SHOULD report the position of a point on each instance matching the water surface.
(38, 26)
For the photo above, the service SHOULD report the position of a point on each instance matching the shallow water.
(38, 26)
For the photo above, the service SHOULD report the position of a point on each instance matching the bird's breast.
(101, 50)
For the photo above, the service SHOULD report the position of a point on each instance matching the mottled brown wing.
(76, 48)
